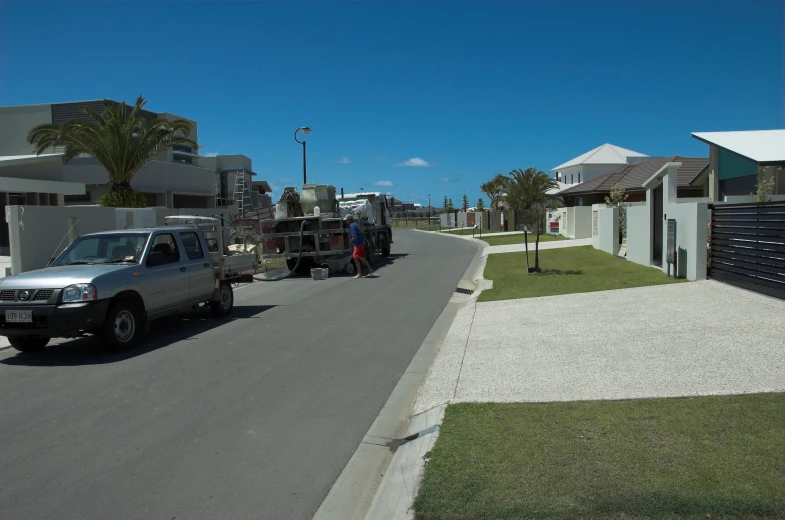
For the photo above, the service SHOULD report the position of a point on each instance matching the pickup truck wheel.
(28, 343)
(225, 304)
(121, 328)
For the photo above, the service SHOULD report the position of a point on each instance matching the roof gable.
(760, 146)
(605, 154)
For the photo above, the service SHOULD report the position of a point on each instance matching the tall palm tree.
(528, 190)
(120, 139)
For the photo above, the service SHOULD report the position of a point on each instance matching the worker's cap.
(348, 217)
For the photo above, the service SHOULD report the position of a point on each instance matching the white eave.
(765, 147)
(17, 185)
(27, 159)
(605, 154)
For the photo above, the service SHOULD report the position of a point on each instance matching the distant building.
(178, 177)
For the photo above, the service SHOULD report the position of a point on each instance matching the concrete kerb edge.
(359, 485)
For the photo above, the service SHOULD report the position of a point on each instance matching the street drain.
(397, 443)
(464, 291)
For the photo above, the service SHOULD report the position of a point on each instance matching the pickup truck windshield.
(115, 248)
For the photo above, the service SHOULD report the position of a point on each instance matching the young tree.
(495, 188)
(528, 189)
(120, 139)
(446, 202)
(617, 199)
(480, 204)
(764, 187)
(450, 207)
(465, 203)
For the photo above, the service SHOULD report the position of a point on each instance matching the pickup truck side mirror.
(155, 258)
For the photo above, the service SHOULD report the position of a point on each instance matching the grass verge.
(690, 458)
(506, 240)
(418, 224)
(565, 271)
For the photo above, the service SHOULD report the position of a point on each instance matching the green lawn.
(690, 458)
(418, 224)
(565, 271)
(505, 240)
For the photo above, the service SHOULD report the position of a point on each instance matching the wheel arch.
(132, 296)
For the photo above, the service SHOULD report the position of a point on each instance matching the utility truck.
(310, 231)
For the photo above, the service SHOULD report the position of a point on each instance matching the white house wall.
(14, 142)
(153, 177)
(608, 227)
(582, 223)
(639, 235)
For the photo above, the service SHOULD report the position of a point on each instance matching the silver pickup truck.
(113, 283)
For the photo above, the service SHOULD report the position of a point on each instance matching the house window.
(182, 148)
(579, 200)
(183, 159)
(579, 177)
(572, 178)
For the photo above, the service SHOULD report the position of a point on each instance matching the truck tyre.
(349, 267)
(122, 326)
(225, 303)
(386, 248)
(28, 343)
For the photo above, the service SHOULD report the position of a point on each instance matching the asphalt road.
(249, 417)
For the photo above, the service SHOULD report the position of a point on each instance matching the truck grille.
(35, 296)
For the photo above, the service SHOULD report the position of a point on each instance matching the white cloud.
(383, 183)
(344, 160)
(211, 154)
(444, 179)
(415, 162)
(381, 158)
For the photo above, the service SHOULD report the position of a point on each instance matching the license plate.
(18, 316)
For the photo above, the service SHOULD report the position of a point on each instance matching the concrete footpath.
(516, 248)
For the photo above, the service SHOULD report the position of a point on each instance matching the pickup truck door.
(165, 286)
(199, 264)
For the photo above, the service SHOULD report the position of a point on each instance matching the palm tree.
(495, 188)
(528, 190)
(120, 139)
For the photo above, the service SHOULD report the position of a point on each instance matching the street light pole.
(306, 130)
(429, 209)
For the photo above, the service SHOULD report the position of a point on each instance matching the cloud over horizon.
(415, 162)
(344, 160)
(383, 183)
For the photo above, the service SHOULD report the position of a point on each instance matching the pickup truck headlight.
(81, 292)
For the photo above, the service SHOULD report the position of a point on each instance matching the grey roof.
(632, 176)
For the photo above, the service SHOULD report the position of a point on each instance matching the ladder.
(242, 193)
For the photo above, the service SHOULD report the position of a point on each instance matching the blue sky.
(468, 89)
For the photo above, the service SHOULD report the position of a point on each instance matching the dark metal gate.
(748, 246)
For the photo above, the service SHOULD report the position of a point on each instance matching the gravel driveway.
(699, 338)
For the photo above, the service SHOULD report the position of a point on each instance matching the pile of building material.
(359, 209)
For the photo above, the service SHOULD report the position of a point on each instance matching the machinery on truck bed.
(309, 230)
